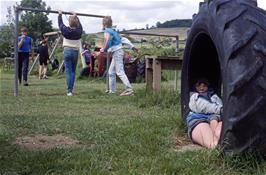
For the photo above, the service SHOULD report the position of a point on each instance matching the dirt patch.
(184, 144)
(45, 142)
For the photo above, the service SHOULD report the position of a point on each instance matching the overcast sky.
(125, 14)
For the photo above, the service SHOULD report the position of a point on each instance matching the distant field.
(180, 31)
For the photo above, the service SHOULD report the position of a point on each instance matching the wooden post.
(34, 63)
(177, 44)
(156, 66)
(148, 73)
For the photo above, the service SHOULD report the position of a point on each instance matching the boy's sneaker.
(25, 83)
(69, 94)
(127, 93)
(45, 77)
(109, 92)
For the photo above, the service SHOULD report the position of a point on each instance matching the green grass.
(118, 135)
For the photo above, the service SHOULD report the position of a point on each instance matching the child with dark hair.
(86, 53)
(204, 119)
(44, 57)
(24, 47)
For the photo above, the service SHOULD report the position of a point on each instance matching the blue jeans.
(193, 119)
(23, 64)
(70, 62)
(117, 68)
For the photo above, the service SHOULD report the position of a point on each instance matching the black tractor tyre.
(227, 45)
(141, 68)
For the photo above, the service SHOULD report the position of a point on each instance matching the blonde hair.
(107, 22)
(73, 21)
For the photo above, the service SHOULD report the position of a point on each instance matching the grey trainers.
(127, 93)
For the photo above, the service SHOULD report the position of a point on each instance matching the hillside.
(180, 31)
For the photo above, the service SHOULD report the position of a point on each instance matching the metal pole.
(107, 72)
(16, 52)
(33, 64)
(55, 47)
(54, 11)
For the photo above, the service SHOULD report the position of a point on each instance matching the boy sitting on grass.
(204, 119)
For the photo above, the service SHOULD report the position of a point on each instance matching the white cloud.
(125, 14)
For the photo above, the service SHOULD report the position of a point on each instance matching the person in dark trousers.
(72, 45)
(24, 47)
(44, 57)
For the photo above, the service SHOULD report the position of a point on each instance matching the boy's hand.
(23, 37)
(74, 13)
(102, 50)
(135, 49)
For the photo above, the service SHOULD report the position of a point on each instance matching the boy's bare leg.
(40, 71)
(213, 124)
(203, 135)
(44, 70)
(218, 130)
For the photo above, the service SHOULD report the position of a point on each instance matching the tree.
(37, 23)
(6, 37)
(5, 41)
(158, 24)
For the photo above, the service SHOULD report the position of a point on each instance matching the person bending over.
(112, 44)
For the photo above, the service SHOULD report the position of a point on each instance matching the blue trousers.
(70, 62)
(23, 65)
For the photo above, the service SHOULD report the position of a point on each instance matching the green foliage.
(89, 39)
(37, 23)
(6, 41)
(6, 37)
(175, 23)
(158, 51)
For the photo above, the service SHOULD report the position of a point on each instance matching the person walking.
(24, 47)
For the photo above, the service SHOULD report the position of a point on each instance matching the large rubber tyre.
(227, 45)
(141, 68)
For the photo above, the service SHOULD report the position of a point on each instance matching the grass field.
(116, 135)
